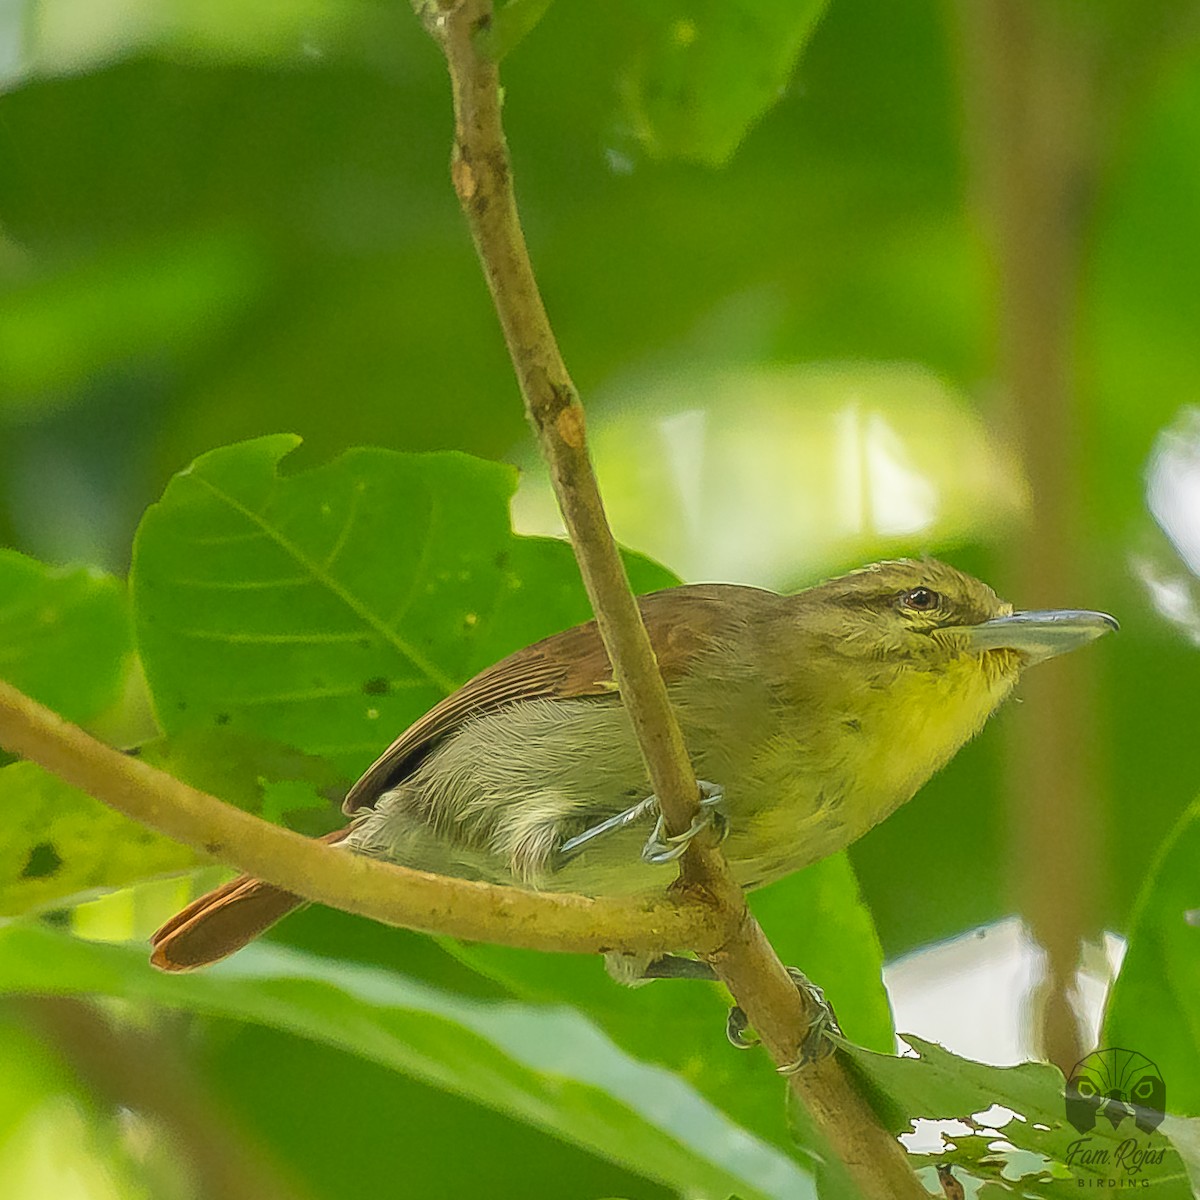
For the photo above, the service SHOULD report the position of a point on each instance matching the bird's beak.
(1041, 635)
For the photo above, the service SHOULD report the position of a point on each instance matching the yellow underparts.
(835, 782)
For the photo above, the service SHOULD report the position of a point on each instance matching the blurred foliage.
(545, 1066)
(1153, 1003)
(837, 463)
(221, 221)
(52, 1142)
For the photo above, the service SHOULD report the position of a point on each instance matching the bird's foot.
(643, 808)
(818, 1040)
(635, 969)
(662, 847)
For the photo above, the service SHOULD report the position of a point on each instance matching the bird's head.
(925, 614)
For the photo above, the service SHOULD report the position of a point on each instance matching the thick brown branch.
(393, 895)
(747, 964)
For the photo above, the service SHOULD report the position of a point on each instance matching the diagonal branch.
(482, 178)
(747, 964)
(394, 895)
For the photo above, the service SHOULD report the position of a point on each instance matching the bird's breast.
(920, 722)
(839, 765)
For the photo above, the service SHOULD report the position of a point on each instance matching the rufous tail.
(222, 921)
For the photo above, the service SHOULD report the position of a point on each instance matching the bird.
(809, 718)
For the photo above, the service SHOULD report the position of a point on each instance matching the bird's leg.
(633, 970)
(643, 808)
(676, 966)
(662, 847)
(817, 1042)
(659, 847)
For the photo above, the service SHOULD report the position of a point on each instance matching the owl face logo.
(1116, 1084)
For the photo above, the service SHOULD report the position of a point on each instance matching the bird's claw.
(736, 1025)
(662, 847)
(818, 1040)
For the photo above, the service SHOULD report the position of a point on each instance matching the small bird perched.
(814, 715)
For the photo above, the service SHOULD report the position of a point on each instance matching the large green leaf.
(815, 919)
(546, 1066)
(1154, 1006)
(1033, 1154)
(328, 609)
(704, 73)
(60, 845)
(64, 635)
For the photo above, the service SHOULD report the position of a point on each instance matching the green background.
(766, 249)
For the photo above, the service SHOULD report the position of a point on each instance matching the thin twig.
(394, 895)
(482, 177)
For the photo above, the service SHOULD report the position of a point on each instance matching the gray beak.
(1042, 635)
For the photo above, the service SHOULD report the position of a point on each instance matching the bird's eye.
(921, 599)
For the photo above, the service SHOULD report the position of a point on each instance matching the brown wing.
(681, 622)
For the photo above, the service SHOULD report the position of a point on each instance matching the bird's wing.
(681, 623)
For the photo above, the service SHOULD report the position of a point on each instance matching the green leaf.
(705, 72)
(677, 1024)
(329, 609)
(1036, 1153)
(815, 919)
(1154, 1006)
(256, 774)
(548, 1067)
(59, 844)
(64, 635)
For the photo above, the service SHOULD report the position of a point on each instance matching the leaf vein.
(356, 606)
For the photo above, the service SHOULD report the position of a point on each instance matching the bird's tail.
(223, 921)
